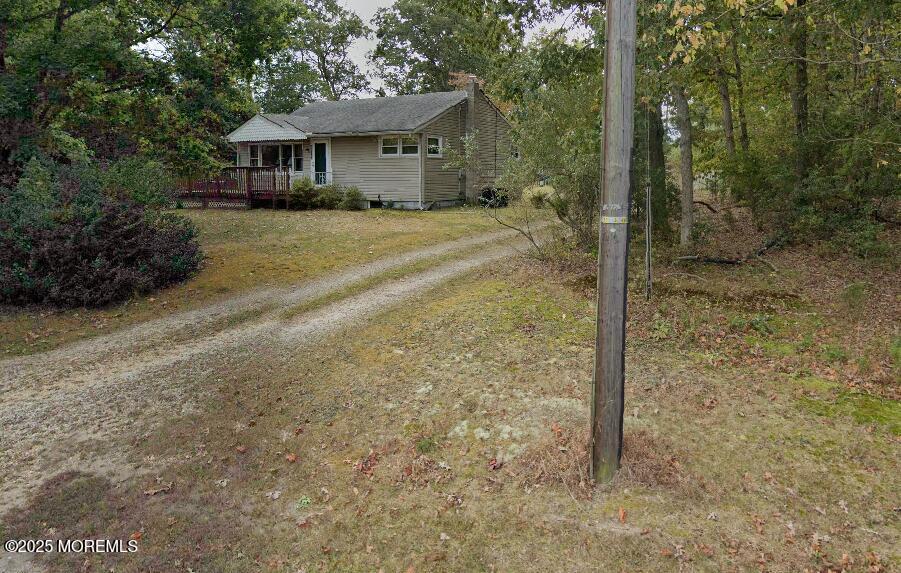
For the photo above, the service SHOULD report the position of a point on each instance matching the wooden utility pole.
(619, 95)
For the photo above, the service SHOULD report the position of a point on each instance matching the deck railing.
(235, 186)
(322, 177)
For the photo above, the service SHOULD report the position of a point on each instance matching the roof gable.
(268, 127)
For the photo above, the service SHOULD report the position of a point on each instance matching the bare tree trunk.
(683, 119)
(4, 27)
(722, 84)
(740, 88)
(799, 88)
(657, 167)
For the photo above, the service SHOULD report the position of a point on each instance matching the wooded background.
(787, 106)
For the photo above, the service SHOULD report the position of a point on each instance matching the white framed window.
(254, 155)
(298, 157)
(435, 146)
(409, 145)
(284, 159)
(390, 147)
(396, 146)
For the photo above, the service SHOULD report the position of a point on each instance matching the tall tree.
(743, 137)
(420, 42)
(722, 85)
(325, 34)
(101, 77)
(798, 37)
(285, 82)
(686, 160)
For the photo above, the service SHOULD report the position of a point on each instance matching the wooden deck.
(236, 187)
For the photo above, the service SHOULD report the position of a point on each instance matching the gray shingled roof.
(388, 114)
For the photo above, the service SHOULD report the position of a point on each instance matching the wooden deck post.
(248, 188)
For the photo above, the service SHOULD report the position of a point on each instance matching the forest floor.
(442, 427)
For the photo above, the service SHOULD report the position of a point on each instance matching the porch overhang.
(267, 128)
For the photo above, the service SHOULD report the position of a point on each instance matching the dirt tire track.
(86, 354)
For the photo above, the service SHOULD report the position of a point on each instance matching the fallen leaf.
(136, 536)
(163, 489)
(241, 449)
(291, 458)
(622, 515)
(493, 464)
(367, 465)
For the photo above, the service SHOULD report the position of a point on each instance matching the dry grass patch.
(246, 250)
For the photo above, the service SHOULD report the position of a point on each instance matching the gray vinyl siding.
(493, 138)
(444, 184)
(356, 161)
(243, 154)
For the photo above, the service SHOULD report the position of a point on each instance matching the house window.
(435, 146)
(390, 146)
(409, 146)
(284, 161)
(298, 157)
(254, 155)
(393, 146)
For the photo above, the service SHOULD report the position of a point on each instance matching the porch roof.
(268, 127)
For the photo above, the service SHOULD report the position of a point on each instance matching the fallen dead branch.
(755, 256)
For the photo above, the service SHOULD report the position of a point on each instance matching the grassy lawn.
(246, 250)
(762, 434)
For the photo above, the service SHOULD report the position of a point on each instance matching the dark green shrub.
(65, 240)
(140, 180)
(353, 199)
(329, 196)
(303, 194)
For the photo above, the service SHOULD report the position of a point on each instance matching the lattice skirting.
(213, 203)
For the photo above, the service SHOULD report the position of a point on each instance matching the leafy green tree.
(285, 83)
(324, 37)
(420, 42)
(105, 78)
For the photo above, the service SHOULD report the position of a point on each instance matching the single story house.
(394, 149)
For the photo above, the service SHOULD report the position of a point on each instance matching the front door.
(320, 163)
